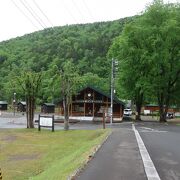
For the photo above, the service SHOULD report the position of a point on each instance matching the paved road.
(117, 159)
(163, 144)
(8, 120)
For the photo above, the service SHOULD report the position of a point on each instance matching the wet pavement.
(117, 159)
(9, 120)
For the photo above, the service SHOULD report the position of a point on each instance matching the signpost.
(46, 121)
(104, 119)
(14, 103)
(104, 116)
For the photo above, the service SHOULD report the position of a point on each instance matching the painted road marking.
(145, 129)
(155, 131)
(149, 167)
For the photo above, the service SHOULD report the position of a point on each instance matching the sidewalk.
(117, 159)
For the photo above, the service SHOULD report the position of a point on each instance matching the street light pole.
(14, 102)
(113, 72)
(112, 90)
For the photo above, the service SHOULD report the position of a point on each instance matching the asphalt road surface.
(119, 157)
(163, 144)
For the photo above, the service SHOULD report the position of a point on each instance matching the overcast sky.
(19, 17)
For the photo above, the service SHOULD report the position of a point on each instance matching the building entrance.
(89, 109)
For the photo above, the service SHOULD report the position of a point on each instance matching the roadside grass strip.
(29, 154)
(149, 167)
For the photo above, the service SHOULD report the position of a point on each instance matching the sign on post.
(46, 121)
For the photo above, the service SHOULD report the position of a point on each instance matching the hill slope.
(86, 45)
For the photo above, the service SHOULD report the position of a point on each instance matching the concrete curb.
(91, 155)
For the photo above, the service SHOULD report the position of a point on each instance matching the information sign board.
(46, 121)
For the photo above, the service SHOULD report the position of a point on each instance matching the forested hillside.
(87, 45)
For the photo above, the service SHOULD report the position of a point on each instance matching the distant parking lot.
(9, 120)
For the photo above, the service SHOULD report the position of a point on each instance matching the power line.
(34, 12)
(77, 8)
(69, 11)
(24, 14)
(42, 12)
(88, 10)
(31, 12)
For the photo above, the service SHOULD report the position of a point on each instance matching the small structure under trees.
(155, 108)
(48, 108)
(3, 105)
(21, 106)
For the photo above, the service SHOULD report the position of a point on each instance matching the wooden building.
(89, 104)
(152, 108)
(3, 105)
(21, 106)
(48, 108)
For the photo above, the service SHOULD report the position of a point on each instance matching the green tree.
(128, 49)
(30, 84)
(90, 79)
(148, 51)
(164, 75)
(69, 82)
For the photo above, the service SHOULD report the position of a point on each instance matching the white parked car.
(127, 112)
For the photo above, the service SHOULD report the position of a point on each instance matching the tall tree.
(128, 49)
(163, 22)
(69, 84)
(30, 83)
(149, 53)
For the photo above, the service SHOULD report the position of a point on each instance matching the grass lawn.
(29, 154)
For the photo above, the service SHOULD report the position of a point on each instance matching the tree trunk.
(162, 109)
(30, 112)
(162, 113)
(66, 113)
(31, 122)
(139, 102)
(162, 117)
(138, 114)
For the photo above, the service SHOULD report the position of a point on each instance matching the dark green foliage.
(148, 51)
(86, 45)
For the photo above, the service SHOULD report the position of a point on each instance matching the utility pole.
(112, 90)
(114, 68)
